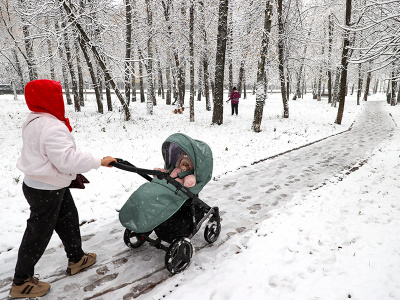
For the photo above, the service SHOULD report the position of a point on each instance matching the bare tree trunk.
(18, 68)
(64, 69)
(398, 96)
(71, 67)
(206, 81)
(141, 81)
(169, 84)
(92, 75)
(360, 83)
(229, 41)
(160, 77)
(149, 65)
(108, 93)
(128, 50)
(204, 59)
(330, 42)
(366, 92)
(212, 88)
(244, 85)
(320, 77)
(394, 85)
(335, 95)
(343, 76)
(191, 55)
(281, 57)
(260, 86)
(50, 53)
(80, 75)
(200, 81)
(241, 74)
(218, 111)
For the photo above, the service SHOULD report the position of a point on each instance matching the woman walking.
(50, 162)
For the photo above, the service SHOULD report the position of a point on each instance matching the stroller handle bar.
(127, 166)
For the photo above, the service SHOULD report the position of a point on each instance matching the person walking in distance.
(50, 162)
(234, 98)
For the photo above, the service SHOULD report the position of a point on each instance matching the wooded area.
(154, 50)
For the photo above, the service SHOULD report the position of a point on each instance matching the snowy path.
(123, 274)
(304, 169)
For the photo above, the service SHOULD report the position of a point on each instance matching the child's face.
(185, 166)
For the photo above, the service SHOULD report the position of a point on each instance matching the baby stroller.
(163, 205)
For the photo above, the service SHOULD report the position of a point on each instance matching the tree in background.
(218, 111)
(260, 94)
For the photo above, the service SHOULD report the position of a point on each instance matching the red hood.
(45, 95)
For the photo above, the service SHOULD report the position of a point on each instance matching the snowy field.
(339, 242)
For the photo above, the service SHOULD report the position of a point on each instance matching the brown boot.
(31, 288)
(87, 260)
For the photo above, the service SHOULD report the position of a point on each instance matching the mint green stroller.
(163, 205)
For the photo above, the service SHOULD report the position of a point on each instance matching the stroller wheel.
(212, 230)
(178, 255)
(133, 239)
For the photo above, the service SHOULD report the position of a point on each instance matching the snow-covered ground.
(339, 241)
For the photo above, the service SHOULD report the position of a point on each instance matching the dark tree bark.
(63, 69)
(320, 77)
(169, 84)
(128, 50)
(71, 67)
(241, 75)
(360, 83)
(367, 85)
(330, 43)
(394, 87)
(200, 81)
(50, 53)
(229, 40)
(218, 111)
(204, 59)
(18, 68)
(191, 55)
(160, 77)
(108, 94)
(206, 81)
(141, 81)
(336, 87)
(343, 76)
(260, 87)
(92, 75)
(80, 75)
(151, 99)
(244, 85)
(281, 56)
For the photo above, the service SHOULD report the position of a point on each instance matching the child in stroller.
(166, 206)
(184, 166)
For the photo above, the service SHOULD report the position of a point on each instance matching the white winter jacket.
(49, 152)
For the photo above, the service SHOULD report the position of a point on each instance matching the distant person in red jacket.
(234, 98)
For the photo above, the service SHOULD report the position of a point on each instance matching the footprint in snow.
(229, 185)
(100, 282)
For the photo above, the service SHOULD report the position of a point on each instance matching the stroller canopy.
(198, 151)
(156, 201)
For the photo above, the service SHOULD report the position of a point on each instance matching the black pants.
(235, 107)
(50, 210)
